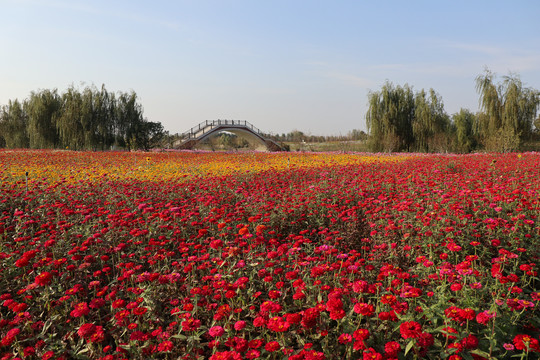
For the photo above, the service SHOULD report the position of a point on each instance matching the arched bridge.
(238, 127)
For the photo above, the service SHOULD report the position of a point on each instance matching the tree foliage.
(465, 123)
(510, 110)
(91, 119)
(400, 120)
(14, 123)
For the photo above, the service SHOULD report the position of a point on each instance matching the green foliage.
(400, 120)
(509, 111)
(90, 119)
(13, 123)
(465, 123)
(42, 109)
(430, 120)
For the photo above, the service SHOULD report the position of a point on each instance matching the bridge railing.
(208, 125)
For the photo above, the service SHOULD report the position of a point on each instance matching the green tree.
(358, 135)
(104, 118)
(42, 109)
(465, 122)
(70, 120)
(149, 135)
(389, 118)
(510, 110)
(430, 122)
(14, 123)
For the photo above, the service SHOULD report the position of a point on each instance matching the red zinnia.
(526, 342)
(86, 330)
(140, 310)
(410, 329)
(364, 309)
(272, 346)
(371, 354)
(165, 346)
(392, 348)
(43, 279)
(81, 309)
(361, 334)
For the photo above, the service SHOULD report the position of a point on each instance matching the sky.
(282, 65)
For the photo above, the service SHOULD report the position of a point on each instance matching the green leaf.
(409, 347)
(482, 353)
(179, 336)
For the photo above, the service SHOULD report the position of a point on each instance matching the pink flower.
(345, 338)
(508, 347)
(239, 325)
(483, 317)
(216, 331)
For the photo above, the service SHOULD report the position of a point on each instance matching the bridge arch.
(241, 128)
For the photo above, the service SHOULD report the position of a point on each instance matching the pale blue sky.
(280, 64)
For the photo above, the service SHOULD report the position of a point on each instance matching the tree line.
(87, 119)
(298, 136)
(399, 119)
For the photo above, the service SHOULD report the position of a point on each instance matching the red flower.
(140, 311)
(310, 317)
(226, 355)
(470, 342)
(239, 325)
(364, 309)
(10, 337)
(334, 303)
(526, 342)
(98, 336)
(277, 324)
(43, 279)
(425, 340)
(165, 346)
(388, 299)
(119, 303)
(293, 318)
(410, 329)
(191, 324)
(371, 354)
(48, 355)
(272, 346)
(81, 309)
(338, 314)
(448, 332)
(255, 343)
(345, 338)
(86, 330)
(392, 348)
(361, 334)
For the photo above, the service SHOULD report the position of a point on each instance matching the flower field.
(185, 255)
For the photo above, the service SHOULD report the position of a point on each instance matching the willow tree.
(466, 124)
(104, 113)
(42, 109)
(510, 110)
(129, 114)
(13, 125)
(389, 118)
(430, 122)
(69, 121)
